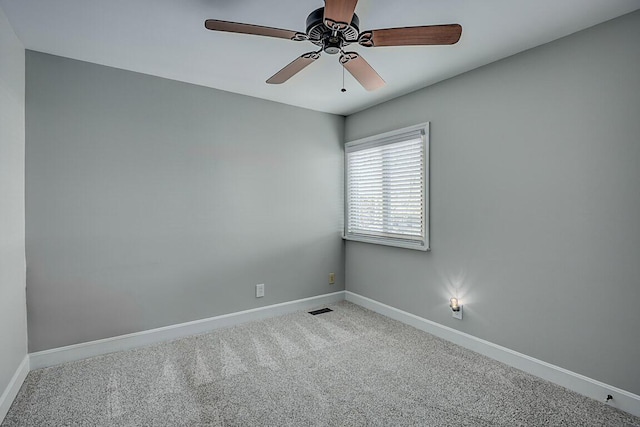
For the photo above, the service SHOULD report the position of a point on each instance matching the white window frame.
(376, 141)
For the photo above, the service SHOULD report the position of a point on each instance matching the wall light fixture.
(456, 308)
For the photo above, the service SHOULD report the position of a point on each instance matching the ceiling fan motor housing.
(331, 40)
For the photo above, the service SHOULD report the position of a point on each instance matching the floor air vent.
(322, 310)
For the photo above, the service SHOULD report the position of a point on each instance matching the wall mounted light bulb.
(456, 308)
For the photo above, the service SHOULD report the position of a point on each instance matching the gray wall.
(535, 203)
(152, 202)
(13, 326)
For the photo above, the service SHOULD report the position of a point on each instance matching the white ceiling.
(167, 38)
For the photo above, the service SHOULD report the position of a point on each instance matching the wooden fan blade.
(293, 68)
(362, 71)
(256, 30)
(339, 11)
(412, 36)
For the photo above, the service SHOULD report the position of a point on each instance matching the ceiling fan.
(336, 26)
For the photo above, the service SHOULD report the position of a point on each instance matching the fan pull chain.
(343, 88)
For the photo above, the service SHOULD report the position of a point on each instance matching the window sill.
(418, 246)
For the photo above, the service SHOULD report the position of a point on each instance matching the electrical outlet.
(260, 290)
(458, 314)
(332, 278)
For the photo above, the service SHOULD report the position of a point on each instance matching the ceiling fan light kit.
(336, 26)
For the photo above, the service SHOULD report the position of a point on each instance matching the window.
(386, 188)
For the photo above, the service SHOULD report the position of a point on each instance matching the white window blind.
(386, 188)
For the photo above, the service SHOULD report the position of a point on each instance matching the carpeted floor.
(349, 367)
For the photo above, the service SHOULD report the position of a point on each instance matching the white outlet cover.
(260, 290)
(458, 314)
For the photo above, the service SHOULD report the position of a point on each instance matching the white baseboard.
(597, 390)
(10, 393)
(56, 356)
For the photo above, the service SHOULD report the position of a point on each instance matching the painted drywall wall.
(535, 168)
(13, 326)
(152, 202)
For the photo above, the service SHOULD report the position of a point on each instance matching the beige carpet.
(349, 367)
